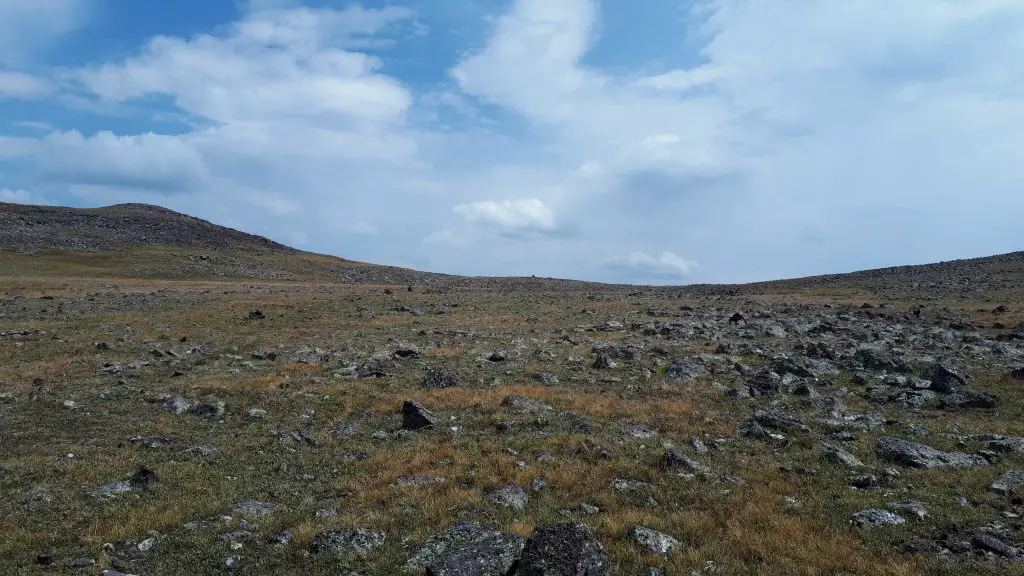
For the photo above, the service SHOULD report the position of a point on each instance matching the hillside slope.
(29, 228)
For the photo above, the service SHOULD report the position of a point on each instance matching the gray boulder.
(1009, 445)
(416, 417)
(945, 377)
(685, 370)
(963, 399)
(563, 550)
(1009, 483)
(833, 453)
(676, 460)
(915, 507)
(915, 455)
(779, 421)
(467, 548)
(873, 517)
(347, 541)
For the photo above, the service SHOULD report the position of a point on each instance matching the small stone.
(873, 517)
(253, 508)
(913, 506)
(257, 413)
(510, 495)
(83, 562)
(652, 541)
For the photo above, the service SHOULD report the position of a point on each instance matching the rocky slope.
(29, 228)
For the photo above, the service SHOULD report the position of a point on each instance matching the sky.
(654, 142)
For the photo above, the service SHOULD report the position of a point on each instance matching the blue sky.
(652, 142)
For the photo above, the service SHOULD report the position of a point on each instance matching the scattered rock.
(915, 455)
(674, 459)
(253, 508)
(833, 453)
(1009, 483)
(963, 399)
(436, 378)
(468, 549)
(873, 517)
(416, 417)
(652, 541)
(510, 495)
(563, 550)
(346, 541)
(945, 377)
(913, 506)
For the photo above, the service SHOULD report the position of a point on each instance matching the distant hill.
(30, 228)
(140, 240)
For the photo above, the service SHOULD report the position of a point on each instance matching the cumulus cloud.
(273, 65)
(23, 197)
(665, 266)
(147, 161)
(526, 214)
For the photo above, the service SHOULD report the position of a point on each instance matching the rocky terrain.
(176, 419)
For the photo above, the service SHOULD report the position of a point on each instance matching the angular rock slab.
(563, 550)
(416, 417)
(918, 455)
(494, 555)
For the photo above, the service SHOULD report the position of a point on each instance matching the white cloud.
(21, 85)
(280, 65)
(147, 161)
(528, 214)
(23, 197)
(665, 266)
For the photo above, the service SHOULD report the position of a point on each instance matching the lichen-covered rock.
(779, 421)
(444, 552)
(510, 495)
(917, 455)
(567, 549)
(1009, 483)
(964, 399)
(652, 541)
(493, 555)
(833, 453)
(357, 541)
(873, 517)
